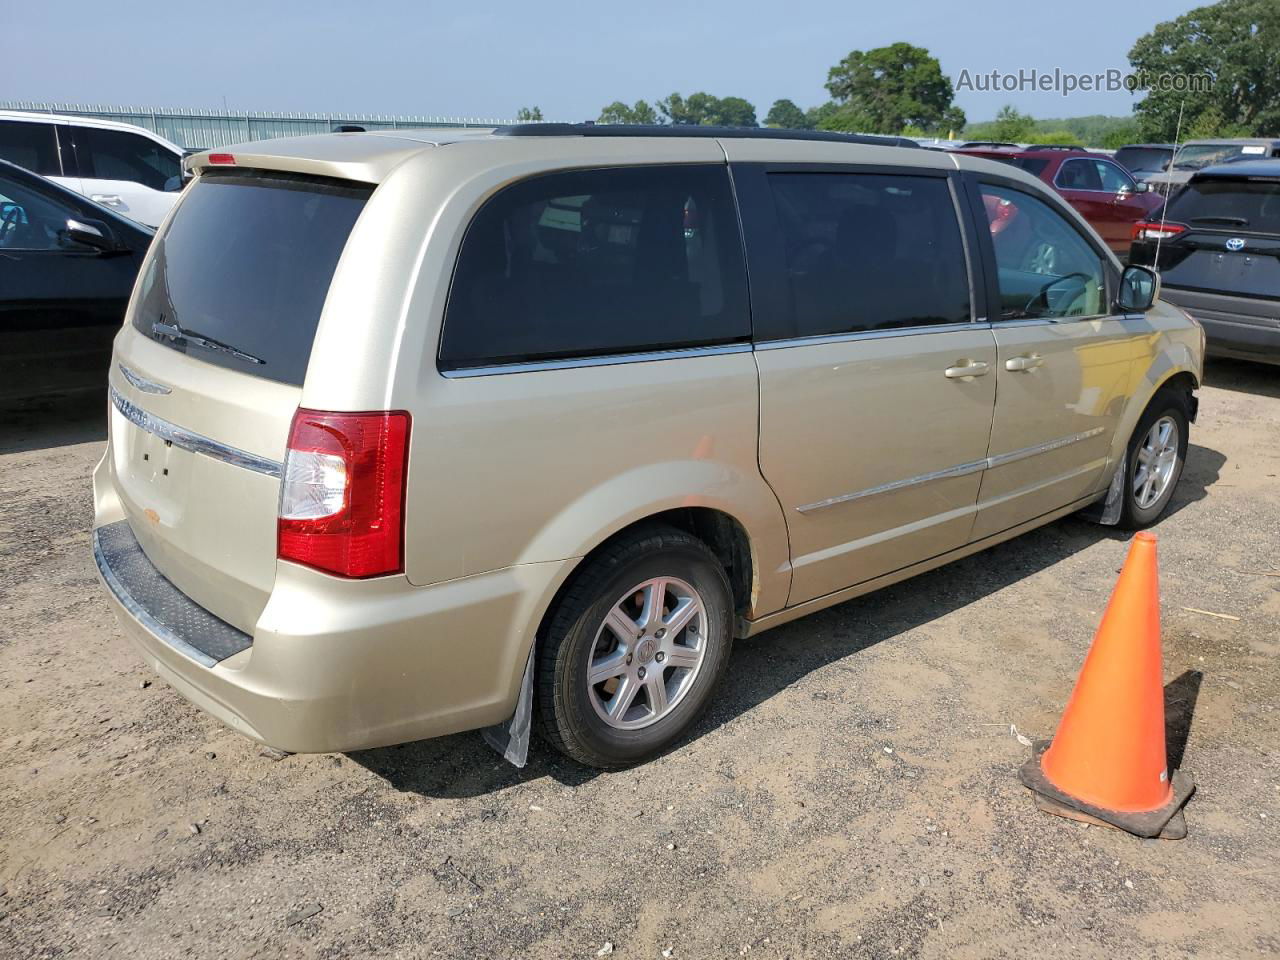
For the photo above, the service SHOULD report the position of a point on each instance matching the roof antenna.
(1164, 208)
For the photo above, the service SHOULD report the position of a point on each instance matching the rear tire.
(634, 648)
(1157, 455)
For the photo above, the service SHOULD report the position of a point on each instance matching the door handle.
(108, 199)
(1028, 362)
(966, 369)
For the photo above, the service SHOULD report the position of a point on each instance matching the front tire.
(1157, 455)
(634, 648)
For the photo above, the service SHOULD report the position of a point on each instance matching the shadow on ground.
(27, 425)
(764, 666)
(1242, 376)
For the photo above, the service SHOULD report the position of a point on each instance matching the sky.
(482, 59)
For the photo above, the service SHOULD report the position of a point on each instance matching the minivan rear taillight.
(1155, 230)
(342, 494)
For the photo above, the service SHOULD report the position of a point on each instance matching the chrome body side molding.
(959, 470)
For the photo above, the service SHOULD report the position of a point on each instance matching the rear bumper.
(336, 665)
(1234, 326)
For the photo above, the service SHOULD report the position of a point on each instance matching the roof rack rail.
(691, 130)
(1055, 146)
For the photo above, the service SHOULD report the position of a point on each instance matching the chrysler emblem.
(1235, 243)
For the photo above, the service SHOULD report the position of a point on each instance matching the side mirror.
(89, 233)
(1143, 187)
(1139, 288)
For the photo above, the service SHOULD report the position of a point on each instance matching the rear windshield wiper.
(175, 332)
(1237, 221)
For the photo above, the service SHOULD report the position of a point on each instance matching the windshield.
(1201, 155)
(241, 274)
(1250, 206)
(1144, 159)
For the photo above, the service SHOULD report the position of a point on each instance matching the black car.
(1219, 255)
(67, 267)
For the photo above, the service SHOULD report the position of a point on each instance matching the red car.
(1104, 192)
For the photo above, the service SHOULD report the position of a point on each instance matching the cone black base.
(1152, 823)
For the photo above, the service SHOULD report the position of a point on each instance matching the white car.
(131, 170)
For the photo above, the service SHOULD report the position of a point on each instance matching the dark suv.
(1104, 192)
(1218, 246)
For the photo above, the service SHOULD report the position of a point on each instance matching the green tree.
(1059, 137)
(1012, 125)
(619, 112)
(887, 89)
(734, 112)
(816, 118)
(785, 114)
(703, 109)
(528, 115)
(1236, 44)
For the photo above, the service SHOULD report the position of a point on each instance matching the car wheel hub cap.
(647, 653)
(1157, 459)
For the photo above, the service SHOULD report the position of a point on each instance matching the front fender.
(1174, 346)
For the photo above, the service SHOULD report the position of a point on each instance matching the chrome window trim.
(191, 441)
(142, 383)
(609, 360)
(138, 613)
(959, 470)
(824, 338)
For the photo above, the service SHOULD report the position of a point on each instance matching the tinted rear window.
(1144, 159)
(1251, 206)
(245, 266)
(597, 262)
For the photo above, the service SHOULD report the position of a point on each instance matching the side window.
(1079, 175)
(1045, 267)
(598, 262)
(1113, 178)
(30, 145)
(869, 251)
(117, 155)
(30, 221)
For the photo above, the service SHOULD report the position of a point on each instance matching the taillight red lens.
(342, 494)
(1155, 230)
(222, 159)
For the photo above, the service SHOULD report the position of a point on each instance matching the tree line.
(901, 89)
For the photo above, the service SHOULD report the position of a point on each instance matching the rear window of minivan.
(241, 274)
(1250, 206)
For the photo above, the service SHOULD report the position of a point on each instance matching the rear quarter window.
(242, 272)
(598, 262)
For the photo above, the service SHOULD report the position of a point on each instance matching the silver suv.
(412, 436)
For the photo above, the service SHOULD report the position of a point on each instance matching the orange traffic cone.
(1107, 761)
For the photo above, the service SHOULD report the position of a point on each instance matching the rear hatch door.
(208, 374)
(1232, 244)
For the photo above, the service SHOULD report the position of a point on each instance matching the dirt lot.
(852, 793)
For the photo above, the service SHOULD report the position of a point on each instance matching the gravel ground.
(852, 793)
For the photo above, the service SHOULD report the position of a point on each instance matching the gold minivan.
(414, 434)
